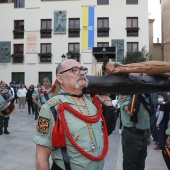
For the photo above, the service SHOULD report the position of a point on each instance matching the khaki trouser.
(22, 102)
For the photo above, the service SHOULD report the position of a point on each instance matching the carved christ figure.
(148, 67)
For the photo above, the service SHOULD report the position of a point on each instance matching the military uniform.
(168, 129)
(134, 136)
(79, 132)
(40, 97)
(4, 95)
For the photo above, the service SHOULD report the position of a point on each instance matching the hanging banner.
(88, 28)
(31, 45)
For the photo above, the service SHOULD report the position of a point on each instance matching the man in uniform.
(44, 93)
(135, 134)
(35, 96)
(82, 136)
(5, 94)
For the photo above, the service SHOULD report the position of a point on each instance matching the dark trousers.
(36, 111)
(30, 107)
(134, 147)
(160, 135)
(116, 114)
(55, 166)
(4, 121)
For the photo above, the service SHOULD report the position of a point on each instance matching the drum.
(6, 108)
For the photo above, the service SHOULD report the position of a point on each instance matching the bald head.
(66, 65)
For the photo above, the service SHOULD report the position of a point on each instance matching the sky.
(155, 13)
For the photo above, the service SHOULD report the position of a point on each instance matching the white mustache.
(81, 78)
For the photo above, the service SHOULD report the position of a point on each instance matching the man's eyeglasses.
(76, 70)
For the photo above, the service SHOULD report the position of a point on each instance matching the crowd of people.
(71, 127)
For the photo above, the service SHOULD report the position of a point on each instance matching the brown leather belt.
(134, 130)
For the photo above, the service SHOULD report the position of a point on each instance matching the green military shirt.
(1, 98)
(40, 96)
(142, 115)
(168, 130)
(7, 94)
(78, 130)
(36, 95)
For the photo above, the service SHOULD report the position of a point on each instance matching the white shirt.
(22, 92)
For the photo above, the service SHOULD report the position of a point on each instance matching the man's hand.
(105, 100)
(149, 141)
(157, 125)
(168, 142)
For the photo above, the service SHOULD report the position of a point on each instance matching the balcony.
(18, 34)
(132, 31)
(17, 58)
(74, 32)
(103, 32)
(101, 52)
(45, 33)
(45, 57)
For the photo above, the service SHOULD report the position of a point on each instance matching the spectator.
(21, 93)
(30, 100)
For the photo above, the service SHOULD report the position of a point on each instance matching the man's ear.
(59, 78)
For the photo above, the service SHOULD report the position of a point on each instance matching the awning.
(104, 53)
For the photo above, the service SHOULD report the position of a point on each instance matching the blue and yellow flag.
(88, 28)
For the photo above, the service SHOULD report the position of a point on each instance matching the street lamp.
(63, 57)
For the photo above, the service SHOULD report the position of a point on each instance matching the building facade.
(165, 15)
(37, 35)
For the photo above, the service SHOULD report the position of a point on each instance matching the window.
(45, 31)
(103, 27)
(19, 48)
(44, 74)
(45, 54)
(18, 29)
(102, 2)
(74, 49)
(103, 44)
(74, 27)
(131, 1)
(18, 55)
(18, 77)
(132, 46)
(132, 26)
(19, 3)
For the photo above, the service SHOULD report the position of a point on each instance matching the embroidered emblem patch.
(43, 125)
(52, 102)
(123, 97)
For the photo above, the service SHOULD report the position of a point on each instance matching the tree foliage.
(137, 56)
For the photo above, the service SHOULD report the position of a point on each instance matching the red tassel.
(53, 88)
(58, 135)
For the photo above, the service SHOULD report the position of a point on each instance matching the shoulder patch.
(123, 97)
(43, 125)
